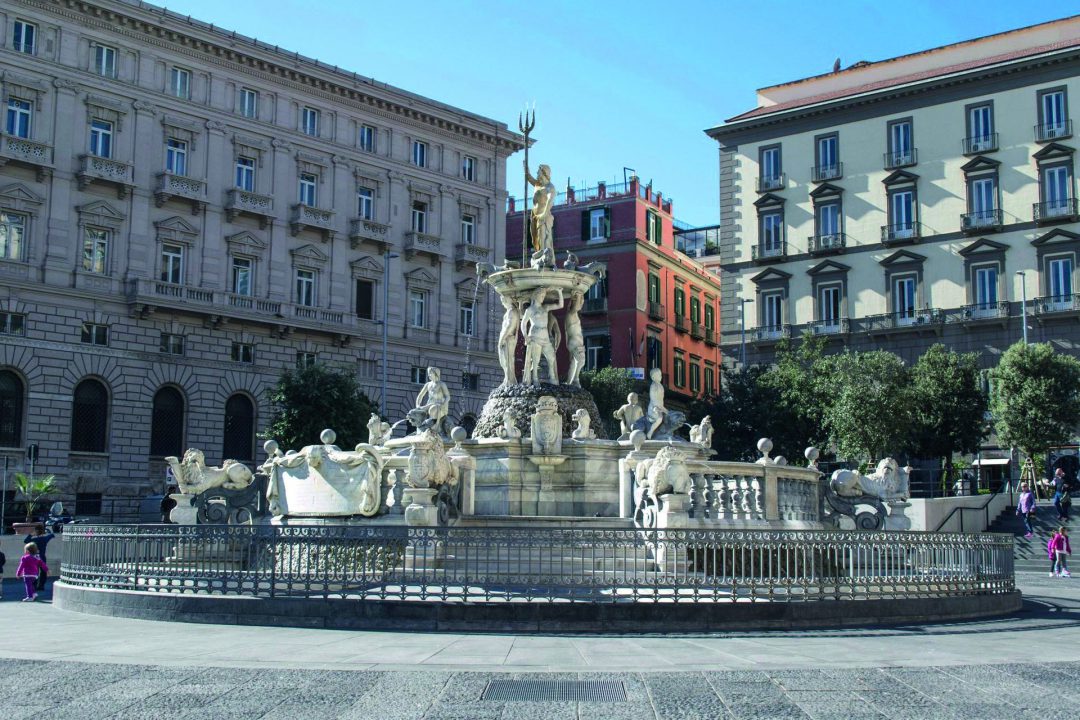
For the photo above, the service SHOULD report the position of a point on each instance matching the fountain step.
(547, 521)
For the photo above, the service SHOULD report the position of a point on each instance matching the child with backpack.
(1059, 549)
(30, 566)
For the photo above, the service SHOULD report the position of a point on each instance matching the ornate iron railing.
(503, 564)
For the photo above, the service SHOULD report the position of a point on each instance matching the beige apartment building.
(186, 212)
(901, 203)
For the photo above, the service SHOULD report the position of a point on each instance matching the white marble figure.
(434, 402)
(571, 261)
(193, 476)
(535, 326)
(701, 434)
(663, 474)
(628, 415)
(583, 431)
(428, 465)
(575, 339)
(323, 480)
(888, 482)
(656, 411)
(546, 427)
(541, 219)
(509, 430)
(378, 431)
(508, 339)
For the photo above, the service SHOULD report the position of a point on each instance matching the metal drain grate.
(555, 691)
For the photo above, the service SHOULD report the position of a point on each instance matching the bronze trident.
(526, 124)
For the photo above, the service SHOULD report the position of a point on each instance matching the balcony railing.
(980, 144)
(766, 333)
(819, 244)
(1051, 304)
(905, 319)
(422, 243)
(369, 230)
(29, 152)
(656, 311)
(98, 169)
(901, 158)
(710, 337)
(765, 183)
(765, 253)
(1046, 132)
(239, 201)
(985, 311)
(697, 331)
(681, 323)
(466, 255)
(981, 220)
(1064, 210)
(170, 185)
(834, 326)
(821, 173)
(901, 233)
(305, 216)
(594, 305)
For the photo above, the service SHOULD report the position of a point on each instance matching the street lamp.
(387, 257)
(1023, 302)
(742, 343)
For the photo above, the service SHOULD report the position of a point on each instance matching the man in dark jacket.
(41, 541)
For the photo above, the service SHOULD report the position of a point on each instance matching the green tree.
(950, 406)
(797, 380)
(1035, 398)
(609, 387)
(870, 411)
(33, 489)
(310, 399)
(743, 411)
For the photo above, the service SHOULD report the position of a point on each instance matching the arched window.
(90, 417)
(167, 423)
(11, 409)
(468, 421)
(239, 438)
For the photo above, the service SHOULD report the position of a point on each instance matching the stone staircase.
(1030, 555)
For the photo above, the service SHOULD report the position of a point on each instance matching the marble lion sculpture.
(888, 482)
(194, 477)
(663, 474)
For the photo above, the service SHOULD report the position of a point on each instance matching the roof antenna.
(836, 65)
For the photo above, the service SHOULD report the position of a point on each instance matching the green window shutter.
(607, 222)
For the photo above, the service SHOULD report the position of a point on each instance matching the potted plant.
(33, 490)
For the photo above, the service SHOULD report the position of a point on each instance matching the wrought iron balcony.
(981, 221)
(985, 311)
(1054, 211)
(771, 333)
(1047, 132)
(594, 305)
(656, 311)
(422, 243)
(239, 201)
(681, 323)
(769, 253)
(901, 233)
(98, 169)
(980, 144)
(821, 244)
(926, 318)
(170, 185)
(901, 158)
(697, 331)
(710, 337)
(822, 173)
(765, 183)
(304, 216)
(466, 255)
(361, 230)
(1057, 304)
(28, 152)
(835, 326)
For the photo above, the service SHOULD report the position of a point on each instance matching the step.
(545, 521)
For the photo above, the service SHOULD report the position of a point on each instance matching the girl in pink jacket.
(30, 565)
(1059, 549)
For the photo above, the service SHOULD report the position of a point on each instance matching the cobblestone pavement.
(57, 664)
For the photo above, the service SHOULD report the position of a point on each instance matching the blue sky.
(615, 84)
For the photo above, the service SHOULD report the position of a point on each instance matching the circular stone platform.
(521, 400)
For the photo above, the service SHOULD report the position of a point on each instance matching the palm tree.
(33, 489)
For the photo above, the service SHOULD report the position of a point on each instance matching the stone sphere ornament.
(327, 436)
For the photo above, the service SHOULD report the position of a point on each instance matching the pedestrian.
(168, 503)
(41, 542)
(1059, 550)
(30, 568)
(1026, 509)
(1062, 501)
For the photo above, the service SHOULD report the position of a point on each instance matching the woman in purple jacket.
(1026, 508)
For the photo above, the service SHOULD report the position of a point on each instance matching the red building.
(657, 308)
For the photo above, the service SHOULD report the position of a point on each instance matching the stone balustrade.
(466, 255)
(361, 230)
(28, 152)
(170, 185)
(424, 244)
(304, 217)
(98, 169)
(239, 202)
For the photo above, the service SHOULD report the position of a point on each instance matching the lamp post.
(742, 342)
(1023, 303)
(387, 257)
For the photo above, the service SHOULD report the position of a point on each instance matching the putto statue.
(509, 429)
(542, 219)
(432, 404)
(538, 326)
(701, 434)
(656, 412)
(583, 431)
(193, 476)
(378, 431)
(628, 415)
(546, 427)
(888, 482)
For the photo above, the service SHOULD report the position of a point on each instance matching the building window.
(772, 233)
(466, 318)
(309, 121)
(468, 229)
(418, 375)
(305, 359)
(239, 430)
(89, 417)
(654, 228)
(680, 371)
(105, 60)
(365, 299)
(19, 115)
(12, 323)
(695, 377)
(176, 156)
(828, 221)
(249, 103)
(243, 353)
(470, 381)
(772, 311)
(305, 288)
(241, 276)
(95, 334)
(599, 225)
(12, 235)
(1053, 115)
(827, 158)
(695, 310)
(709, 381)
(309, 185)
(597, 352)
(982, 202)
(829, 306)
(101, 136)
(680, 302)
(468, 168)
(245, 173)
(905, 288)
(419, 153)
(172, 344)
(419, 217)
(771, 170)
(87, 504)
(95, 257)
(167, 423)
(710, 321)
(654, 288)
(1060, 280)
(654, 352)
(418, 308)
(980, 129)
(172, 263)
(366, 139)
(901, 214)
(366, 368)
(24, 37)
(901, 147)
(11, 409)
(985, 281)
(365, 202)
(180, 83)
(1055, 191)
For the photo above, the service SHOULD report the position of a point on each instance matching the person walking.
(41, 542)
(1026, 509)
(1062, 501)
(30, 568)
(1059, 550)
